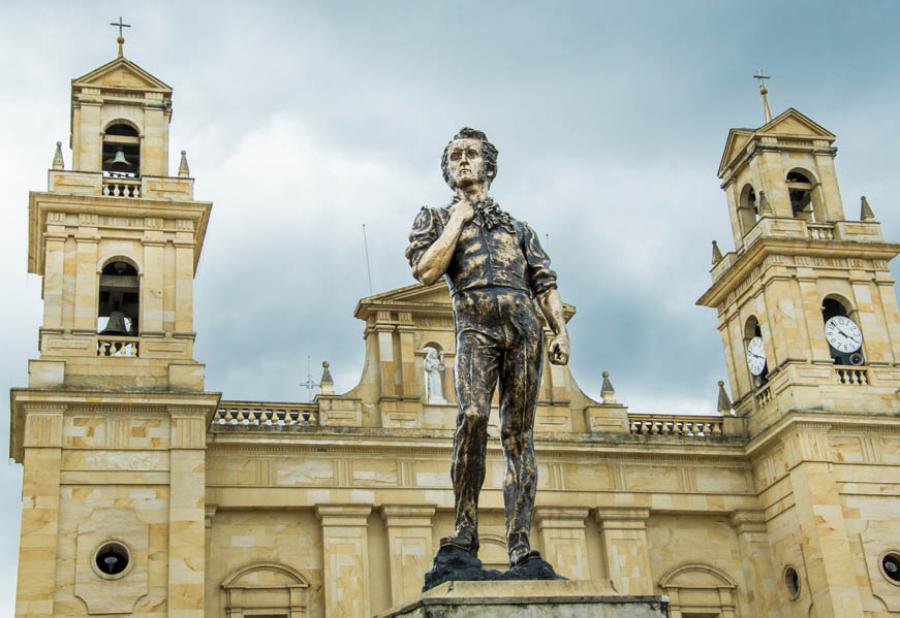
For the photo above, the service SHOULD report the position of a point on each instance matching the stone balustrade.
(109, 345)
(95, 183)
(121, 187)
(680, 425)
(851, 374)
(245, 413)
(818, 231)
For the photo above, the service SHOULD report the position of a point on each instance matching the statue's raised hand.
(462, 210)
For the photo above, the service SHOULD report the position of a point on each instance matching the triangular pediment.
(789, 123)
(792, 122)
(121, 74)
(416, 294)
(737, 139)
(429, 297)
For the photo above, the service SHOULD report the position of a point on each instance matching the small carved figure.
(496, 269)
(434, 372)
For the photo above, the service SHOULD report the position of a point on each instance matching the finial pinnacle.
(184, 169)
(58, 163)
(865, 211)
(326, 384)
(716, 253)
(607, 392)
(762, 77)
(724, 405)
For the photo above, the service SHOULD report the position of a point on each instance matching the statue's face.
(465, 162)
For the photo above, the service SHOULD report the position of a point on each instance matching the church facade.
(144, 494)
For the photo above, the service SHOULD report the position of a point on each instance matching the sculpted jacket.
(493, 251)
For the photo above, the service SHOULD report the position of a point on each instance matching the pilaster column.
(564, 542)
(823, 533)
(40, 510)
(756, 562)
(411, 548)
(625, 541)
(187, 511)
(345, 543)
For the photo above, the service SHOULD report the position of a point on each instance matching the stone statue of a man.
(495, 268)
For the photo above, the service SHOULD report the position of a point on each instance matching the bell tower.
(111, 428)
(806, 302)
(811, 332)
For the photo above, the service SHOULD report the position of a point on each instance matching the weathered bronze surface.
(495, 268)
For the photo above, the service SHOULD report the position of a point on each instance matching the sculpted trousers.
(499, 339)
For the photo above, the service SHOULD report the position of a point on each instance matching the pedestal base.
(534, 599)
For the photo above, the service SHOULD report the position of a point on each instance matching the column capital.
(557, 517)
(745, 522)
(408, 515)
(343, 514)
(620, 519)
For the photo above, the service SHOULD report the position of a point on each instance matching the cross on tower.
(121, 39)
(762, 77)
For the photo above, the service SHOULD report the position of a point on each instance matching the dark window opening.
(119, 301)
(121, 154)
(800, 189)
(112, 558)
(891, 565)
(792, 582)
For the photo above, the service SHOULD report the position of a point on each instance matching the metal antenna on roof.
(368, 265)
(310, 385)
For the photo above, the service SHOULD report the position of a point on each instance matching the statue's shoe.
(463, 539)
(521, 554)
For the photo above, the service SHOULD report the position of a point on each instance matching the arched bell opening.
(801, 189)
(120, 299)
(121, 151)
(748, 209)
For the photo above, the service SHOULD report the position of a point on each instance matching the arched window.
(748, 209)
(842, 333)
(266, 589)
(119, 304)
(700, 591)
(800, 189)
(755, 349)
(121, 151)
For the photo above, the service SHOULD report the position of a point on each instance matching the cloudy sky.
(305, 121)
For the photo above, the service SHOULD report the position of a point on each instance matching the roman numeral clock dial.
(756, 356)
(843, 334)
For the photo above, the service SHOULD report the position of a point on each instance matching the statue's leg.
(520, 379)
(476, 377)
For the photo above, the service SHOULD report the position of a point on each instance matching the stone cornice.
(42, 203)
(766, 246)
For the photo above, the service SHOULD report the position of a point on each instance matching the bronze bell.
(118, 163)
(116, 324)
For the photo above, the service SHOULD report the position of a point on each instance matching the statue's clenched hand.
(462, 211)
(559, 349)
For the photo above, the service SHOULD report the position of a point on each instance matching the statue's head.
(469, 158)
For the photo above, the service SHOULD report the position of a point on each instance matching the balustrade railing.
(820, 231)
(259, 414)
(763, 395)
(121, 187)
(108, 345)
(851, 374)
(684, 426)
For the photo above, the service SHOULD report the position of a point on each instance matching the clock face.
(756, 356)
(843, 334)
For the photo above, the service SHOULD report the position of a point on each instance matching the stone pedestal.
(536, 599)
